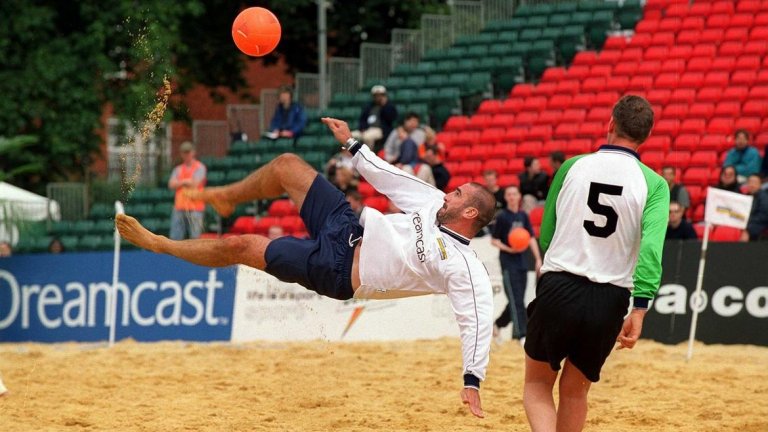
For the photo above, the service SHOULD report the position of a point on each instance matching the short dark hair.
(666, 167)
(633, 117)
(411, 114)
(528, 161)
(489, 172)
(557, 156)
(285, 89)
(741, 132)
(485, 203)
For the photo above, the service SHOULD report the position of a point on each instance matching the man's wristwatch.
(352, 145)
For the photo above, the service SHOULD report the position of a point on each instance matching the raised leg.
(572, 409)
(244, 249)
(286, 173)
(537, 395)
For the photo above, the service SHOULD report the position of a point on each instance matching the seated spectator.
(55, 246)
(432, 157)
(556, 159)
(275, 232)
(344, 178)
(728, 180)
(491, 178)
(753, 185)
(678, 228)
(355, 201)
(376, 119)
(342, 158)
(534, 183)
(5, 249)
(677, 192)
(402, 144)
(289, 119)
(757, 227)
(764, 166)
(744, 157)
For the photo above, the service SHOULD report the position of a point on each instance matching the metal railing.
(246, 119)
(268, 102)
(72, 199)
(406, 46)
(344, 75)
(307, 89)
(375, 62)
(468, 17)
(211, 137)
(437, 32)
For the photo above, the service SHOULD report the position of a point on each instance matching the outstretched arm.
(407, 192)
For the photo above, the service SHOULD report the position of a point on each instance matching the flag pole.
(697, 301)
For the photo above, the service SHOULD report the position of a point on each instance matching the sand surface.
(321, 386)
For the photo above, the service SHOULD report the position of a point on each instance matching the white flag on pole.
(727, 208)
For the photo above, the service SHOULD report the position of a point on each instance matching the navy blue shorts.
(322, 263)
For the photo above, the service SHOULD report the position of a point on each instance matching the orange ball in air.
(519, 239)
(256, 31)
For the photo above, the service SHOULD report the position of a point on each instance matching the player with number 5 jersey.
(603, 233)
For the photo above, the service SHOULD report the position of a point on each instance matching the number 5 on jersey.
(611, 217)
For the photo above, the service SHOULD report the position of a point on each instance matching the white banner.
(727, 208)
(268, 309)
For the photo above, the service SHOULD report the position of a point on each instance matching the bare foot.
(214, 197)
(132, 231)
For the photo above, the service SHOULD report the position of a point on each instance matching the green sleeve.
(647, 275)
(549, 221)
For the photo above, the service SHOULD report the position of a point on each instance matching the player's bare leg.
(286, 173)
(572, 408)
(537, 395)
(244, 249)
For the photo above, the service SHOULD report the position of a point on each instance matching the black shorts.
(575, 318)
(322, 263)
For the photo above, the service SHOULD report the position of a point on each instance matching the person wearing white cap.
(376, 119)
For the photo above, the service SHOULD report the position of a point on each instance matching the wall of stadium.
(55, 298)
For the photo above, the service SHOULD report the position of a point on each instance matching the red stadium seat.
(553, 146)
(693, 23)
(667, 80)
(715, 142)
(504, 150)
(515, 166)
(682, 95)
(657, 53)
(699, 64)
(646, 27)
(736, 34)
(593, 84)
(752, 124)
(467, 138)
(559, 102)
(511, 105)
(757, 108)
(566, 130)
(625, 68)
(723, 7)
(522, 90)
(615, 43)
(692, 125)
(671, 23)
(700, 9)
(718, 20)
(574, 115)
(759, 34)
(709, 94)
(755, 47)
(675, 111)
(696, 194)
(536, 215)
(748, 6)
(693, 80)
(578, 71)
(727, 109)
(578, 146)
(687, 141)
(502, 120)
(633, 55)
(657, 142)
(617, 84)
(677, 10)
(262, 224)
(526, 118)
(737, 93)
(567, 87)
(282, 207)
(696, 215)
(492, 136)
(667, 127)
(654, 159)
(742, 20)
(606, 98)
(529, 148)
(292, 224)
(365, 189)
(758, 92)
(545, 89)
(702, 110)
(456, 123)
(745, 78)
(381, 203)
(515, 135)
(554, 74)
(509, 180)
(244, 225)
(659, 96)
(535, 103)
(498, 165)
(640, 83)
(550, 117)
(600, 70)
(716, 79)
(663, 38)
(539, 132)
(489, 106)
(608, 57)
(722, 125)
(583, 100)
(704, 49)
(599, 114)
(724, 63)
(696, 176)
(678, 159)
(479, 121)
(703, 159)
(730, 49)
(591, 130)
(585, 58)
(725, 234)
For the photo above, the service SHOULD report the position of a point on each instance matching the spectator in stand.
(753, 185)
(513, 266)
(377, 119)
(677, 192)
(534, 183)
(355, 201)
(342, 158)
(289, 119)
(491, 178)
(728, 180)
(744, 157)
(275, 232)
(678, 228)
(402, 144)
(432, 157)
(187, 217)
(56, 246)
(344, 178)
(757, 227)
(764, 166)
(556, 158)
(5, 249)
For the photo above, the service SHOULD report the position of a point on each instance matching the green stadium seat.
(477, 51)
(538, 21)
(448, 96)
(236, 175)
(70, 242)
(82, 227)
(500, 50)
(396, 82)
(542, 48)
(249, 162)
(314, 128)
(597, 36)
(488, 64)
(559, 20)
(239, 147)
(478, 82)
(89, 242)
(216, 178)
(627, 19)
(162, 210)
(605, 17)
(537, 65)
(415, 82)
(342, 99)
(530, 34)
(316, 159)
(59, 228)
(104, 227)
(101, 211)
(495, 26)
(402, 69)
(552, 33)
(24, 245)
(426, 67)
(139, 211)
(581, 18)
(446, 66)
(505, 37)
(456, 53)
(40, 244)
(465, 65)
(595, 5)
(566, 7)
(521, 48)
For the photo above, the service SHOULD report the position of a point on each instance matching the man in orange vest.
(187, 217)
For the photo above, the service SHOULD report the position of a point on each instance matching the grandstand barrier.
(57, 298)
